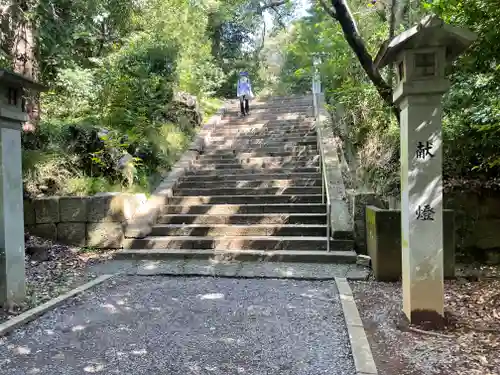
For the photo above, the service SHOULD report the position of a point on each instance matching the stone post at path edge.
(12, 117)
(420, 56)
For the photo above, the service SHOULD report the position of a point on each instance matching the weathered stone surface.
(383, 229)
(105, 235)
(73, 209)
(29, 213)
(48, 230)
(46, 210)
(72, 233)
(487, 233)
(340, 217)
(113, 207)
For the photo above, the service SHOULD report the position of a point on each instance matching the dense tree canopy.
(115, 66)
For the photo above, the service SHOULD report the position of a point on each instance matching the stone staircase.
(255, 192)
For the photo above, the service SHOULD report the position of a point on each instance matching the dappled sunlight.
(21, 350)
(94, 368)
(78, 328)
(211, 296)
(110, 308)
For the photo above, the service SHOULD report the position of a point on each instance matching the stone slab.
(73, 209)
(72, 233)
(29, 213)
(384, 243)
(47, 231)
(46, 210)
(105, 235)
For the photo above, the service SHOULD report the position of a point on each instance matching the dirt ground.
(470, 345)
(51, 270)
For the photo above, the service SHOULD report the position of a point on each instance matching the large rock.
(184, 105)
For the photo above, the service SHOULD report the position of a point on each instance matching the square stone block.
(105, 235)
(114, 207)
(72, 233)
(73, 209)
(29, 213)
(47, 231)
(46, 210)
(383, 232)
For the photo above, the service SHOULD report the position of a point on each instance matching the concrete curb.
(143, 219)
(361, 352)
(34, 313)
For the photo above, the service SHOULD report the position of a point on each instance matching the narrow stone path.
(166, 325)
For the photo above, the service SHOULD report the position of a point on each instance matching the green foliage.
(472, 110)
(109, 121)
(471, 124)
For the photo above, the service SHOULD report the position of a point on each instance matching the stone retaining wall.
(105, 219)
(477, 219)
(95, 221)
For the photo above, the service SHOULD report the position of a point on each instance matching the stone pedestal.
(384, 243)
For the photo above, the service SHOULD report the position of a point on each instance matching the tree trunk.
(19, 43)
(344, 16)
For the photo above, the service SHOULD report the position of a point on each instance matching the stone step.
(263, 133)
(229, 154)
(270, 126)
(264, 176)
(253, 184)
(237, 242)
(247, 155)
(203, 165)
(276, 149)
(244, 199)
(214, 230)
(248, 171)
(256, 139)
(243, 209)
(233, 143)
(237, 218)
(303, 256)
(247, 191)
(239, 159)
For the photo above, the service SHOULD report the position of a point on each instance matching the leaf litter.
(469, 345)
(52, 269)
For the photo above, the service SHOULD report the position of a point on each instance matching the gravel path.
(163, 325)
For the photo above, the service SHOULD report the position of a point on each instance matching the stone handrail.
(339, 218)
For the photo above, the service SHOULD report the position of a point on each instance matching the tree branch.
(273, 4)
(353, 37)
(327, 9)
(278, 19)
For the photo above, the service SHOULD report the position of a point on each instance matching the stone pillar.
(422, 206)
(419, 57)
(12, 116)
(12, 288)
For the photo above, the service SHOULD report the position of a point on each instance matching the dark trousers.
(244, 106)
